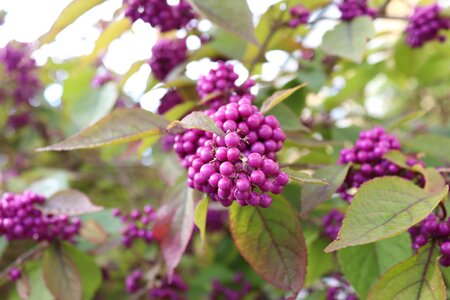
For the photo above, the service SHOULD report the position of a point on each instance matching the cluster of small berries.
(299, 16)
(165, 291)
(222, 81)
(100, 80)
(368, 162)
(433, 228)
(236, 166)
(138, 225)
(425, 24)
(166, 55)
(331, 223)
(159, 14)
(20, 218)
(14, 274)
(239, 290)
(19, 82)
(216, 220)
(351, 9)
(171, 99)
(339, 289)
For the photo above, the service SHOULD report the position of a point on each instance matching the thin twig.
(444, 210)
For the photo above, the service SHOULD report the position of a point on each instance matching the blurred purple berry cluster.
(20, 218)
(241, 165)
(133, 281)
(19, 83)
(222, 81)
(299, 16)
(166, 55)
(216, 220)
(339, 289)
(351, 9)
(137, 225)
(433, 228)
(100, 80)
(425, 24)
(171, 99)
(331, 223)
(367, 160)
(159, 14)
(238, 291)
(169, 290)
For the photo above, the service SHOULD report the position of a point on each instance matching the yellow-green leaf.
(200, 215)
(303, 177)
(382, 208)
(279, 97)
(197, 120)
(123, 125)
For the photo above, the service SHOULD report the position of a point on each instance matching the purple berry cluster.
(332, 223)
(216, 220)
(169, 290)
(351, 9)
(133, 281)
(159, 14)
(241, 165)
(433, 228)
(20, 218)
(171, 99)
(339, 289)
(368, 162)
(100, 80)
(14, 274)
(19, 82)
(425, 24)
(166, 55)
(137, 225)
(299, 16)
(239, 290)
(222, 81)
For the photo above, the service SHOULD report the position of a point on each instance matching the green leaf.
(437, 146)
(112, 32)
(232, 15)
(362, 265)
(418, 277)
(313, 195)
(397, 158)
(406, 119)
(303, 177)
(3, 245)
(38, 289)
(382, 208)
(60, 274)
(69, 202)
(200, 215)
(197, 120)
(289, 120)
(349, 39)
(174, 224)
(279, 97)
(90, 273)
(72, 12)
(319, 263)
(272, 242)
(123, 125)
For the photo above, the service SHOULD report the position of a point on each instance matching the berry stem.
(444, 210)
(23, 257)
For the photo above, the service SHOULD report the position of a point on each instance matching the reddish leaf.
(174, 224)
(69, 202)
(271, 240)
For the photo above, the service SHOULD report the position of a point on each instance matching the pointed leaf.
(437, 146)
(382, 208)
(198, 120)
(417, 277)
(112, 32)
(272, 242)
(123, 125)
(313, 195)
(72, 12)
(278, 97)
(303, 177)
(69, 202)
(232, 15)
(362, 265)
(93, 232)
(349, 39)
(200, 215)
(61, 276)
(174, 224)
(406, 119)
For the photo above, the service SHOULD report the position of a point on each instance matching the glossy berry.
(426, 25)
(159, 14)
(351, 9)
(166, 55)
(21, 219)
(367, 161)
